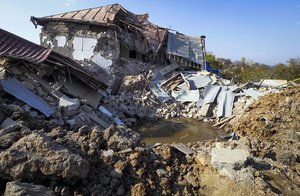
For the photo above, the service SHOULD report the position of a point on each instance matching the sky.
(264, 31)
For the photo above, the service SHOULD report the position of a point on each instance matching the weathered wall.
(96, 47)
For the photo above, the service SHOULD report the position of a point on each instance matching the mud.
(179, 130)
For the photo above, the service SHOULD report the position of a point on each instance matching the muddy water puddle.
(180, 130)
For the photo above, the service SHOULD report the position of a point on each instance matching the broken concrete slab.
(7, 123)
(105, 111)
(79, 90)
(243, 175)
(227, 158)
(68, 103)
(99, 121)
(204, 110)
(17, 89)
(117, 120)
(183, 148)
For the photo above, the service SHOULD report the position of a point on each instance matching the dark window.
(132, 54)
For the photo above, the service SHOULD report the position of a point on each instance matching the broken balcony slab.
(225, 103)
(17, 89)
(186, 96)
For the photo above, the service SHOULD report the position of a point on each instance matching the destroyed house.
(104, 36)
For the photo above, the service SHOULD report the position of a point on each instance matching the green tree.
(293, 68)
(213, 61)
(279, 72)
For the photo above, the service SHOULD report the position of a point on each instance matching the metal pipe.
(202, 39)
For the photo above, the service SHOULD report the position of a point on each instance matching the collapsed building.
(70, 148)
(103, 38)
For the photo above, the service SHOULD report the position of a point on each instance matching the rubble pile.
(212, 98)
(40, 156)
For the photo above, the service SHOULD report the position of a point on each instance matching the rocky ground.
(40, 157)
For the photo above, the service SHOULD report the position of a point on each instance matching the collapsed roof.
(114, 16)
(15, 47)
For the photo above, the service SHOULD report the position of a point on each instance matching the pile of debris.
(196, 94)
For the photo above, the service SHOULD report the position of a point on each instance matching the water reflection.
(181, 130)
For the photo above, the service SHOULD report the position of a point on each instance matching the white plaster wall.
(61, 41)
(83, 48)
(102, 62)
(44, 37)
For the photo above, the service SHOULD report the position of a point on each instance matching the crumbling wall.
(97, 48)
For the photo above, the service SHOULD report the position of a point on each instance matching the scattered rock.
(36, 157)
(121, 139)
(16, 188)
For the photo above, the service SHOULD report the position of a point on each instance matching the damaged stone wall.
(97, 48)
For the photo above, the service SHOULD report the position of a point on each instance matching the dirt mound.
(274, 122)
(271, 116)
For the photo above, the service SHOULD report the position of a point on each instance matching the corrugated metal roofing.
(156, 89)
(186, 47)
(186, 96)
(209, 95)
(16, 47)
(225, 102)
(17, 89)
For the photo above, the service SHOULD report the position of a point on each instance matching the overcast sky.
(265, 31)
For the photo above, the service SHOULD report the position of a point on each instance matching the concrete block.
(226, 158)
(68, 103)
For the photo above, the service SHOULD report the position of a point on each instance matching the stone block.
(226, 158)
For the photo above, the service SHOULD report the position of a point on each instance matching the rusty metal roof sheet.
(100, 15)
(16, 47)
